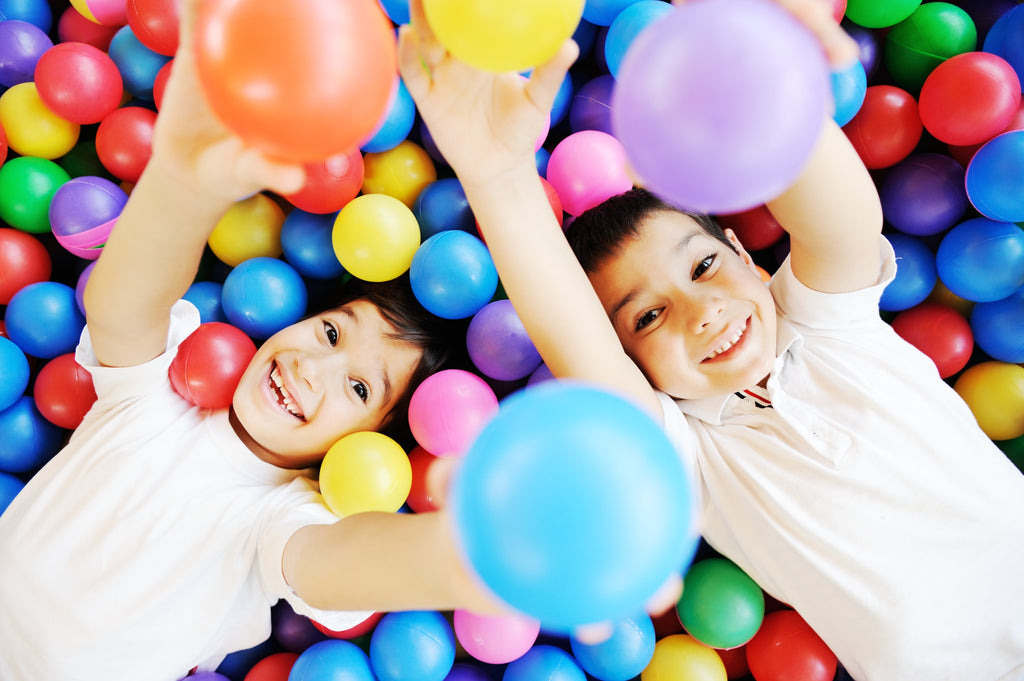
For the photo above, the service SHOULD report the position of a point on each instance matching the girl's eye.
(331, 333)
(703, 266)
(360, 390)
(646, 319)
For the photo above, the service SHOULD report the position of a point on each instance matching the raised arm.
(486, 125)
(196, 171)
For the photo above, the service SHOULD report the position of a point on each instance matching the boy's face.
(315, 381)
(692, 313)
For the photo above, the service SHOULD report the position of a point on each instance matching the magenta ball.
(498, 343)
(495, 639)
(586, 168)
(448, 410)
(79, 82)
(719, 103)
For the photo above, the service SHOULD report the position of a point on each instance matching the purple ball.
(591, 107)
(85, 202)
(21, 45)
(867, 45)
(924, 194)
(292, 631)
(498, 343)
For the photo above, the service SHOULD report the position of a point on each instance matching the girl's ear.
(744, 256)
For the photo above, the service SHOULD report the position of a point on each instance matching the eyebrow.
(385, 379)
(633, 293)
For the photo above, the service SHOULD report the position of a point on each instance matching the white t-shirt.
(152, 543)
(866, 497)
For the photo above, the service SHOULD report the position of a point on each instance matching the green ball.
(879, 13)
(935, 32)
(27, 185)
(1014, 450)
(721, 606)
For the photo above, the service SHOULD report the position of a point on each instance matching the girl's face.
(315, 381)
(692, 313)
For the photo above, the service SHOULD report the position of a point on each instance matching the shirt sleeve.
(680, 434)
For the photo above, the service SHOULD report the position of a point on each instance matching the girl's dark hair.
(598, 233)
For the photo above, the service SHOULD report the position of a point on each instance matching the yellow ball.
(32, 128)
(503, 35)
(251, 228)
(681, 658)
(401, 172)
(365, 471)
(995, 393)
(375, 237)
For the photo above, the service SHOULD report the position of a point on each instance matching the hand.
(483, 123)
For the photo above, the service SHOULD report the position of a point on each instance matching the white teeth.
(284, 397)
(728, 344)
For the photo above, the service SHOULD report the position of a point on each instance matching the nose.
(702, 313)
(313, 370)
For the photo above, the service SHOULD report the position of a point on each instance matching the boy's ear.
(744, 256)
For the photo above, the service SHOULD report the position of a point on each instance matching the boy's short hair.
(598, 233)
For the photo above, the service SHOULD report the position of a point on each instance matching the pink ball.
(586, 168)
(495, 639)
(78, 82)
(72, 27)
(448, 410)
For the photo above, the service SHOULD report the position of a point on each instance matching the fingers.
(414, 71)
(547, 78)
(666, 596)
(592, 634)
(256, 171)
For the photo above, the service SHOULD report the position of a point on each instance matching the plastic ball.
(938, 331)
(205, 295)
(10, 486)
(867, 46)
(331, 183)
(586, 168)
(1004, 38)
(82, 213)
(452, 275)
(396, 124)
(107, 12)
(365, 471)
(994, 391)
(412, 646)
(965, 153)
(32, 129)
(544, 661)
(721, 606)
(787, 648)
(78, 82)
(160, 83)
(292, 631)
(995, 178)
(306, 242)
(623, 655)
(251, 228)
(124, 141)
(969, 98)
(332, 660)
(397, 10)
(24, 260)
(887, 127)
(362, 629)
(498, 344)
(503, 35)
(83, 280)
(21, 45)
(422, 497)
(375, 237)
(14, 372)
(72, 27)
(849, 87)
(756, 228)
(591, 107)
(680, 658)
(401, 172)
(36, 12)
(322, 89)
(443, 205)
(272, 667)
(915, 274)
(44, 320)
(449, 409)
(27, 439)
(627, 25)
(998, 328)
(155, 24)
(982, 260)
(710, 149)
(924, 194)
(137, 63)
(934, 32)
(261, 296)
(879, 13)
(64, 391)
(495, 639)
(210, 363)
(550, 451)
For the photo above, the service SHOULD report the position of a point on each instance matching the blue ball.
(995, 177)
(621, 656)
(43, 319)
(306, 243)
(27, 439)
(397, 10)
(414, 645)
(546, 662)
(205, 295)
(1005, 39)
(982, 260)
(137, 63)
(263, 295)
(443, 205)
(563, 98)
(849, 87)
(239, 663)
(332, 660)
(998, 327)
(452, 275)
(36, 12)
(627, 25)
(603, 12)
(397, 123)
(9, 488)
(542, 156)
(14, 372)
(557, 521)
(915, 274)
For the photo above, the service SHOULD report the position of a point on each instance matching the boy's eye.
(360, 389)
(702, 267)
(331, 333)
(646, 319)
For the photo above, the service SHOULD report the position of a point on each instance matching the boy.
(834, 465)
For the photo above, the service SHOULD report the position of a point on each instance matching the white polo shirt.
(865, 496)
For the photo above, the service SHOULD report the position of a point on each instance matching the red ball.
(364, 627)
(24, 260)
(964, 154)
(124, 141)
(210, 363)
(938, 331)
(155, 24)
(886, 128)
(63, 391)
(969, 98)
(302, 80)
(331, 183)
(756, 228)
(786, 648)
(160, 83)
(274, 667)
(420, 498)
(73, 27)
(78, 82)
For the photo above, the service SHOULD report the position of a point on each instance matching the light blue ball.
(10, 486)
(263, 295)
(14, 372)
(915, 274)
(849, 87)
(627, 25)
(982, 260)
(603, 12)
(137, 64)
(332, 660)
(397, 122)
(415, 645)
(36, 12)
(621, 656)
(452, 275)
(546, 662)
(205, 295)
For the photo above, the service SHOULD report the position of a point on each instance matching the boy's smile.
(692, 313)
